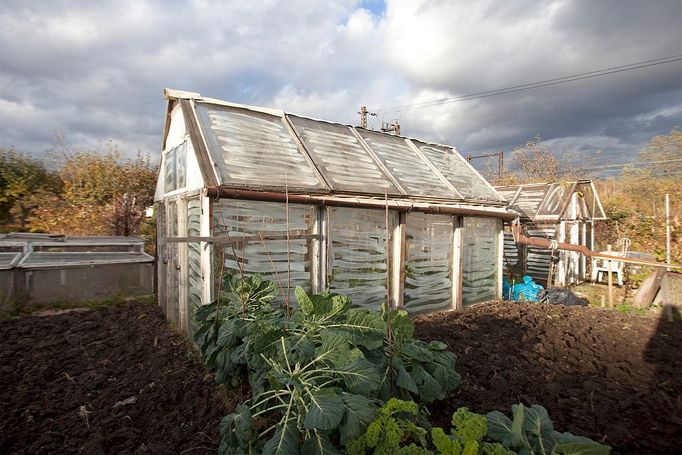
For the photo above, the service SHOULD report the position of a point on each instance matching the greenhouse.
(561, 211)
(321, 205)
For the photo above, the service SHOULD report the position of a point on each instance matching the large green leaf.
(429, 388)
(360, 411)
(319, 444)
(503, 430)
(338, 352)
(569, 444)
(403, 378)
(325, 410)
(284, 441)
(537, 420)
(360, 376)
(305, 304)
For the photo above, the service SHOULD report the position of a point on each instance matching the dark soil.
(112, 380)
(612, 377)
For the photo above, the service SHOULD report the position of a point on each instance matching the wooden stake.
(608, 248)
(603, 301)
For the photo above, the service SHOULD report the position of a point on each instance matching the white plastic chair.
(600, 267)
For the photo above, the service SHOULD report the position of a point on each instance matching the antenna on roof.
(391, 127)
(363, 116)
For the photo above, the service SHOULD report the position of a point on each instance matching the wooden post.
(603, 301)
(608, 248)
(667, 229)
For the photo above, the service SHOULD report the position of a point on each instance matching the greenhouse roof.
(549, 201)
(246, 147)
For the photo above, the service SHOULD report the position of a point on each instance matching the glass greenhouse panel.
(193, 262)
(175, 168)
(255, 149)
(411, 171)
(479, 260)
(428, 263)
(458, 172)
(343, 160)
(258, 241)
(357, 254)
(555, 201)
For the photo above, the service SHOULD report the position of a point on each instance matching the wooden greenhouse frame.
(305, 201)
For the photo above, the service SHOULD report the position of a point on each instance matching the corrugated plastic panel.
(479, 260)
(245, 222)
(507, 192)
(357, 254)
(8, 259)
(406, 166)
(458, 172)
(529, 199)
(255, 149)
(37, 259)
(555, 201)
(428, 263)
(538, 260)
(343, 160)
(193, 262)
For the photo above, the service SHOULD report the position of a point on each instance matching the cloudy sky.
(94, 71)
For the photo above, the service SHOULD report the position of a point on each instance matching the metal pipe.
(546, 243)
(407, 206)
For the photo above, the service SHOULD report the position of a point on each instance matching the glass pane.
(479, 260)
(193, 262)
(255, 149)
(246, 221)
(458, 172)
(407, 167)
(181, 165)
(428, 263)
(555, 201)
(169, 171)
(344, 161)
(357, 254)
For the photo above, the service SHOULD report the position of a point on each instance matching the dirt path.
(114, 380)
(612, 377)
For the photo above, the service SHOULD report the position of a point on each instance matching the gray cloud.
(95, 70)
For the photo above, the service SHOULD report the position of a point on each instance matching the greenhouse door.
(172, 263)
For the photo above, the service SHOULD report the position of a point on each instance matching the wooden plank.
(203, 157)
(648, 289)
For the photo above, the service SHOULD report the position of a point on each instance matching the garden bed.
(612, 377)
(120, 380)
(109, 380)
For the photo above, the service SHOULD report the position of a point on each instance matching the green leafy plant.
(531, 431)
(309, 405)
(413, 369)
(466, 437)
(392, 432)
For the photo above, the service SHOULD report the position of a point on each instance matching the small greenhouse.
(563, 212)
(320, 205)
(48, 268)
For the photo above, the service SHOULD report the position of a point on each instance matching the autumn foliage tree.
(24, 183)
(103, 194)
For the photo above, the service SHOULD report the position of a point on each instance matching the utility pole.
(500, 160)
(363, 116)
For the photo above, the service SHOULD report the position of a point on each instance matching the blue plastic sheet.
(528, 290)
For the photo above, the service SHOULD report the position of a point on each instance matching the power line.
(538, 84)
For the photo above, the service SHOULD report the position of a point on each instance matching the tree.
(634, 203)
(103, 194)
(24, 181)
(533, 162)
